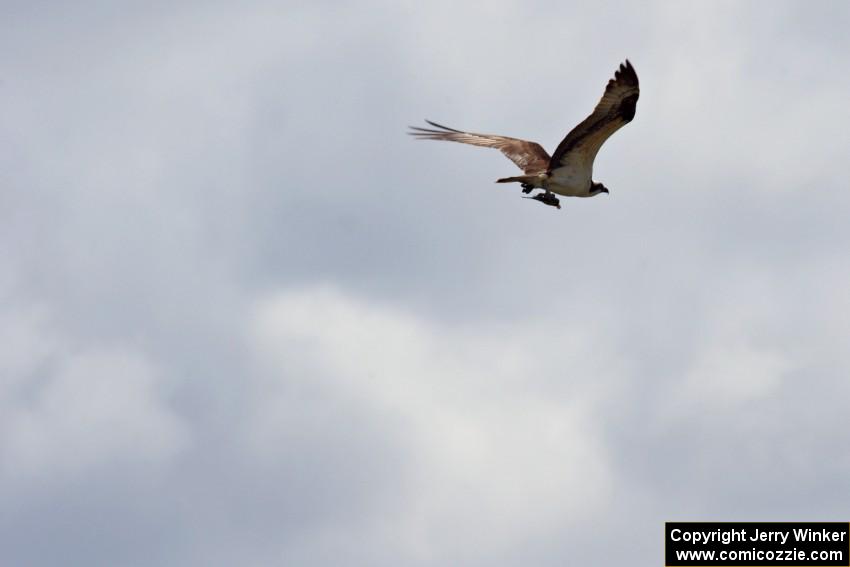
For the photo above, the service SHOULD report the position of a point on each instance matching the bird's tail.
(530, 179)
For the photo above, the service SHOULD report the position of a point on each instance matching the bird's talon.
(547, 198)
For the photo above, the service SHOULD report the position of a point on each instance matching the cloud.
(735, 374)
(245, 320)
(68, 412)
(502, 447)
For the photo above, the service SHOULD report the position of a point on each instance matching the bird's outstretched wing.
(529, 156)
(614, 110)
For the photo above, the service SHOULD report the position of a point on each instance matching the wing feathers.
(578, 149)
(528, 156)
(615, 109)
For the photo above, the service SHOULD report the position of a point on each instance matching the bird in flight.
(569, 170)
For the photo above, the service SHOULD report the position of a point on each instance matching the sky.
(246, 320)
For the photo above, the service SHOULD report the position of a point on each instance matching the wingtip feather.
(435, 125)
(625, 73)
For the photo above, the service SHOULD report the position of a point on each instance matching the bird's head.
(597, 188)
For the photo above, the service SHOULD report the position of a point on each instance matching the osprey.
(568, 171)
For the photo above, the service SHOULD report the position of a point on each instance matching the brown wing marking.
(615, 109)
(528, 156)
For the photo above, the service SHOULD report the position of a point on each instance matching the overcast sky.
(245, 320)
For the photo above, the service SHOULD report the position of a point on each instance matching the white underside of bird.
(567, 181)
(573, 179)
